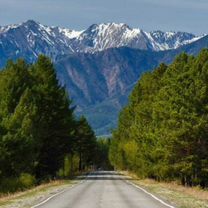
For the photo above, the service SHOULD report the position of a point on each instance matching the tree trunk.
(80, 161)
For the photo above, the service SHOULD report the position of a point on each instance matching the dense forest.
(40, 137)
(163, 131)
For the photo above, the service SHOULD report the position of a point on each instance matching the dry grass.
(192, 191)
(44, 189)
(32, 196)
(26, 199)
(174, 193)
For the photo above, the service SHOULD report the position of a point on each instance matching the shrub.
(26, 180)
(9, 185)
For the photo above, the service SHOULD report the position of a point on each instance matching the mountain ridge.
(30, 38)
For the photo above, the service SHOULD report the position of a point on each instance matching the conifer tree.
(162, 132)
(56, 120)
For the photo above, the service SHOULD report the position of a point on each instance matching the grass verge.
(174, 193)
(33, 196)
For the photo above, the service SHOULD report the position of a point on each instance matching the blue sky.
(167, 15)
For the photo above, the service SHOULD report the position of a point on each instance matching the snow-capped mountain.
(111, 35)
(29, 39)
(171, 40)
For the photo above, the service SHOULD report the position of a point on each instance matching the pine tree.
(85, 143)
(162, 132)
(14, 144)
(56, 120)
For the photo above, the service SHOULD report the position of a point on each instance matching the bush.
(26, 180)
(60, 173)
(10, 185)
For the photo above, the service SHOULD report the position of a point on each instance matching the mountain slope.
(91, 78)
(100, 83)
(117, 70)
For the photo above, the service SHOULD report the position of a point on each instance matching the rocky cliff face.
(92, 78)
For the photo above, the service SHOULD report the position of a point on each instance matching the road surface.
(104, 189)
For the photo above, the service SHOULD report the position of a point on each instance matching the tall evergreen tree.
(85, 142)
(55, 121)
(38, 130)
(14, 81)
(162, 132)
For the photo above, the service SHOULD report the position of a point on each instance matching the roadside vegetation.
(27, 198)
(40, 137)
(102, 160)
(173, 192)
(163, 131)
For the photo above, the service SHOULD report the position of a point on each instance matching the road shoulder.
(172, 193)
(36, 195)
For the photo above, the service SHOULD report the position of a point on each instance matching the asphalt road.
(104, 189)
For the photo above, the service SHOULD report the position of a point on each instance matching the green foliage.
(70, 167)
(8, 185)
(162, 132)
(39, 134)
(27, 180)
(67, 166)
(24, 181)
(85, 141)
(102, 160)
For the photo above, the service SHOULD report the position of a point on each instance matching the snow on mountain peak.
(54, 41)
(132, 33)
(70, 33)
(172, 40)
(4, 29)
(106, 35)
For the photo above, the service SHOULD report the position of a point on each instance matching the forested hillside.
(163, 131)
(40, 138)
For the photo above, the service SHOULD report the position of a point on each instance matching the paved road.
(103, 189)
